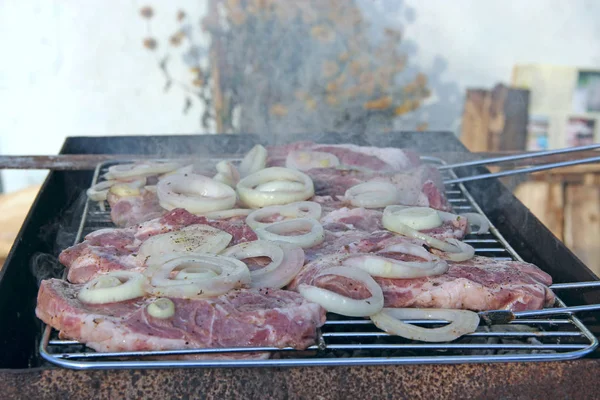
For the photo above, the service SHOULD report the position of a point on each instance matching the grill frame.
(55, 215)
(457, 194)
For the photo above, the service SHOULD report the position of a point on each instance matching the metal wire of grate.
(355, 341)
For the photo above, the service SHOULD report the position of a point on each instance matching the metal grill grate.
(356, 341)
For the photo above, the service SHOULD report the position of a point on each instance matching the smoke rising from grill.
(283, 69)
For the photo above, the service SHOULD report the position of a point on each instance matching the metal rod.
(558, 310)
(70, 162)
(575, 285)
(497, 160)
(524, 170)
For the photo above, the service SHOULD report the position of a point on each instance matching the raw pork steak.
(478, 284)
(240, 318)
(115, 248)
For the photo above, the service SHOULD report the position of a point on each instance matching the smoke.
(45, 266)
(284, 69)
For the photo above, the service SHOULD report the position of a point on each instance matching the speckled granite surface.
(564, 380)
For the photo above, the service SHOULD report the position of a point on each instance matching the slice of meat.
(241, 318)
(478, 284)
(131, 210)
(374, 158)
(418, 186)
(115, 248)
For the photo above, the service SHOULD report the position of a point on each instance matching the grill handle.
(517, 157)
(524, 170)
(500, 317)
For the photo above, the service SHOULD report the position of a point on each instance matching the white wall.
(483, 39)
(78, 68)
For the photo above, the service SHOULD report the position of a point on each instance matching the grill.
(356, 341)
(29, 352)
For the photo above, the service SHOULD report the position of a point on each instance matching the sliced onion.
(278, 186)
(226, 214)
(191, 273)
(162, 308)
(466, 252)
(390, 268)
(99, 191)
(147, 168)
(307, 160)
(254, 161)
(372, 194)
(150, 188)
(230, 273)
(254, 198)
(419, 218)
(343, 305)
(130, 187)
(188, 169)
(227, 173)
(478, 220)
(286, 262)
(461, 323)
(449, 246)
(127, 189)
(196, 238)
(195, 193)
(277, 232)
(299, 209)
(113, 287)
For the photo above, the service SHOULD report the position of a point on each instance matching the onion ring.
(195, 193)
(461, 323)
(99, 191)
(227, 173)
(113, 287)
(253, 161)
(147, 168)
(280, 186)
(478, 220)
(466, 251)
(449, 246)
(254, 198)
(299, 209)
(384, 267)
(161, 308)
(343, 305)
(275, 232)
(195, 238)
(286, 262)
(373, 194)
(419, 218)
(226, 214)
(230, 273)
(307, 160)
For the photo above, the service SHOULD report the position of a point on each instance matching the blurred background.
(502, 75)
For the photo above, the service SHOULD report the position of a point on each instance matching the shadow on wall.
(311, 66)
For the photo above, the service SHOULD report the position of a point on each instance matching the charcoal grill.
(59, 213)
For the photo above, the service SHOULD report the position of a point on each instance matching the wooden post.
(495, 120)
(215, 51)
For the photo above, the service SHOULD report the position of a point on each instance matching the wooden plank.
(546, 202)
(475, 120)
(14, 208)
(495, 120)
(516, 117)
(582, 223)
